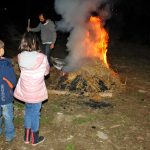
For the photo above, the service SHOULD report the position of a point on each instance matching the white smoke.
(75, 14)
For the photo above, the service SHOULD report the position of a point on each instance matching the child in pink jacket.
(31, 87)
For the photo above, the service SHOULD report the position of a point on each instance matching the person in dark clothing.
(7, 84)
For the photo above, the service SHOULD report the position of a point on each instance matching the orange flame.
(97, 40)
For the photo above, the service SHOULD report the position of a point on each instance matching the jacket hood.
(29, 60)
(5, 61)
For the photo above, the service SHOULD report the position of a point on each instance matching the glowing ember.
(96, 40)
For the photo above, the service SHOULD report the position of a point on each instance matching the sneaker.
(36, 139)
(40, 140)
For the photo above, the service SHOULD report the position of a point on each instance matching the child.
(7, 83)
(31, 87)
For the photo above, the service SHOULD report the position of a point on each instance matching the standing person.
(31, 87)
(7, 84)
(48, 34)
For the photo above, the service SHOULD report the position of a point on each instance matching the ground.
(70, 122)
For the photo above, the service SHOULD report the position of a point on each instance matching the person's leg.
(28, 115)
(43, 48)
(47, 51)
(27, 122)
(35, 124)
(8, 121)
(0, 120)
(36, 139)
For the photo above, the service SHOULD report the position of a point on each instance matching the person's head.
(30, 42)
(43, 18)
(1, 48)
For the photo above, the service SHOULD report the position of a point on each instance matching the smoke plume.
(75, 15)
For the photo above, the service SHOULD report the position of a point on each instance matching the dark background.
(18, 12)
(129, 20)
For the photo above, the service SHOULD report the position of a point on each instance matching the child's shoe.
(36, 139)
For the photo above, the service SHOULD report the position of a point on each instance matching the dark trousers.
(47, 51)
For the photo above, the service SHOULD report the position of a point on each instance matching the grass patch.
(70, 146)
(55, 108)
(46, 120)
(18, 120)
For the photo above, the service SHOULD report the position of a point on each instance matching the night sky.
(18, 11)
(129, 17)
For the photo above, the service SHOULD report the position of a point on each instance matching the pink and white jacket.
(31, 86)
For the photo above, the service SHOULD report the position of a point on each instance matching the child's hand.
(28, 29)
(52, 46)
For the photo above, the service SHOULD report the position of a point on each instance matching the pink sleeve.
(47, 67)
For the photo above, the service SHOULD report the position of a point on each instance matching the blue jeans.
(7, 112)
(47, 51)
(32, 116)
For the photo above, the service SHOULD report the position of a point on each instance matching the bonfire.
(94, 77)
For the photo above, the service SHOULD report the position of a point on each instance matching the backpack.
(7, 81)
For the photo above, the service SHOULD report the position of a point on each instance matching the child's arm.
(8, 82)
(10, 76)
(36, 29)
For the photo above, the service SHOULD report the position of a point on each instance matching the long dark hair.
(30, 42)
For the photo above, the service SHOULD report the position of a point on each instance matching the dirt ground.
(122, 122)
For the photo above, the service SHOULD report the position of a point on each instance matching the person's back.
(31, 87)
(7, 81)
(7, 84)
